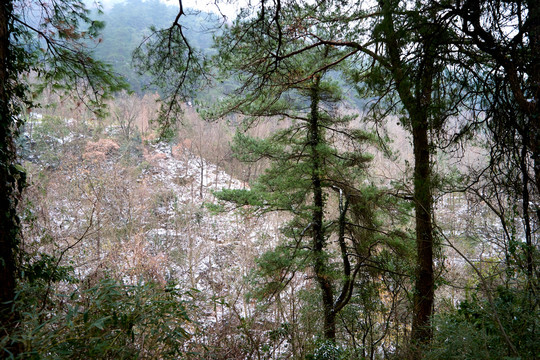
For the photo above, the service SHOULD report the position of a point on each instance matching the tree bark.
(415, 92)
(534, 120)
(319, 266)
(7, 226)
(423, 204)
(9, 180)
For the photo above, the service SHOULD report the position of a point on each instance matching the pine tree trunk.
(423, 205)
(319, 266)
(417, 106)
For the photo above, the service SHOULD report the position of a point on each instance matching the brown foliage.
(100, 150)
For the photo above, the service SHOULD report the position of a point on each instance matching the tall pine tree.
(318, 162)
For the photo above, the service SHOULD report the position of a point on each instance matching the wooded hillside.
(328, 180)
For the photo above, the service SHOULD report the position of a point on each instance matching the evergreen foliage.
(470, 332)
(318, 167)
(106, 319)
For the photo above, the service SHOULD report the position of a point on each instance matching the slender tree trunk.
(201, 188)
(415, 92)
(319, 266)
(534, 120)
(9, 179)
(534, 117)
(7, 226)
(423, 204)
(423, 197)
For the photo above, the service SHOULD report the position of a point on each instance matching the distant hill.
(128, 23)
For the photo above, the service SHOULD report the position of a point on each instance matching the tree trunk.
(415, 92)
(9, 179)
(319, 266)
(423, 204)
(534, 120)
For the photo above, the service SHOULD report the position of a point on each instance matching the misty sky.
(205, 5)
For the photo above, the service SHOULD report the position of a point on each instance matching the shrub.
(110, 320)
(470, 331)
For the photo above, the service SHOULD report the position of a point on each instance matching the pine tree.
(318, 165)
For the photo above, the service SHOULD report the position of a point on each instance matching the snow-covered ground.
(139, 216)
(216, 244)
